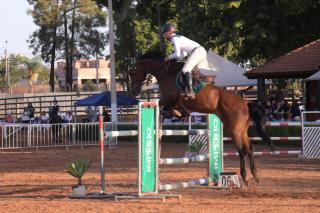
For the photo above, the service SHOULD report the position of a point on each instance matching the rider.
(184, 47)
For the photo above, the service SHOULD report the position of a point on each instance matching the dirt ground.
(35, 181)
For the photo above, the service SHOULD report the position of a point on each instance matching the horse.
(56, 120)
(235, 113)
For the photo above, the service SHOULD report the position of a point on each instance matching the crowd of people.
(92, 115)
(28, 115)
(281, 110)
(275, 111)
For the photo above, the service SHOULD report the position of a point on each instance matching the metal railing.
(19, 136)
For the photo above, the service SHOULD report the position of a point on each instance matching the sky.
(16, 26)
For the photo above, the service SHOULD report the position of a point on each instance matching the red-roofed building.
(299, 63)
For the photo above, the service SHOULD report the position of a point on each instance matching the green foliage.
(195, 147)
(245, 31)
(20, 67)
(67, 30)
(77, 168)
(89, 86)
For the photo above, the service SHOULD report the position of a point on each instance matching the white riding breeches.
(198, 56)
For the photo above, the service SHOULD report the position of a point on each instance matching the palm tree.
(33, 67)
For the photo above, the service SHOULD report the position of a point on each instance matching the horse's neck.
(168, 71)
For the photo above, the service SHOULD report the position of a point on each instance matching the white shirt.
(44, 118)
(67, 118)
(182, 46)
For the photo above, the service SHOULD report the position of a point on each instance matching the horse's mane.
(152, 55)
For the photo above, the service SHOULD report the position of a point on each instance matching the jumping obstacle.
(149, 161)
(203, 139)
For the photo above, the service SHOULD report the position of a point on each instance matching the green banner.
(148, 161)
(215, 148)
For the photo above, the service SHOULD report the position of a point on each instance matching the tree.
(35, 71)
(21, 67)
(245, 31)
(66, 29)
(46, 40)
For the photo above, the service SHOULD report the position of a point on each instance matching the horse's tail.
(258, 116)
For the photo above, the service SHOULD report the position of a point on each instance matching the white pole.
(112, 68)
(97, 70)
(7, 66)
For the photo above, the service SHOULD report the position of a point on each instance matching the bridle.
(164, 74)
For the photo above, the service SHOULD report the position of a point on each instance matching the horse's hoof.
(272, 149)
(256, 178)
(246, 183)
(176, 113)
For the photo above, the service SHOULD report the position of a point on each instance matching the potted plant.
(77, 168)
(194, 149)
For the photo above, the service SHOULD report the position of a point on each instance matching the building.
(85, 70)
(299, 63)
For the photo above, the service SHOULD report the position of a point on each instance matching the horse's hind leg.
(242, 154)
(260, 126)
(248, 147)
(253, 169)
(243, 172)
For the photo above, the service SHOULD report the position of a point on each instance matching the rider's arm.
(177, 49)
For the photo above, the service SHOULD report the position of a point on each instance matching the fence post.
(40, 103)
(29, 135)
(73, 134)
(5, 107)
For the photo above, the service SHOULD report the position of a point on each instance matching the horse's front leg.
(168, 107)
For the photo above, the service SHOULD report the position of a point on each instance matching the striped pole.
(282, 152)
(101, 141)
(167, 161)
(179, 185)
(283, 124)
(281, 138)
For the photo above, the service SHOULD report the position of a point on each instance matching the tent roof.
(314, 77)
(104, 99)
(226, 72)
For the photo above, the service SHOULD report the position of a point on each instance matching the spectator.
(67, 118)
(273, 110)
(90, 114)
(105, 114)
(25, 117)
(55, 107)
(9, 118)
(279, 111)
(295, 111)
(30, 110)
(269, 113)
(44, 119)
(286, 110)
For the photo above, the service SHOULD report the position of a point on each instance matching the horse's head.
(148, 63)
(137, 77)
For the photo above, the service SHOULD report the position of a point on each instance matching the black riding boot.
(189, 90)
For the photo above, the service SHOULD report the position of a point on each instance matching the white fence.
(17, 136)
(311, 134)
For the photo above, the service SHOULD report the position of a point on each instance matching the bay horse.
(235, 113)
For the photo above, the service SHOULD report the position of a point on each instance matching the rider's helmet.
(168, 27)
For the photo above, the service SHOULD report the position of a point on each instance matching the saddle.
(199, 80)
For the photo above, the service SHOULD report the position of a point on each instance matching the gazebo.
(299, 63)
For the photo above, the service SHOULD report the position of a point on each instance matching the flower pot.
(79, 191)
(188, 154)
